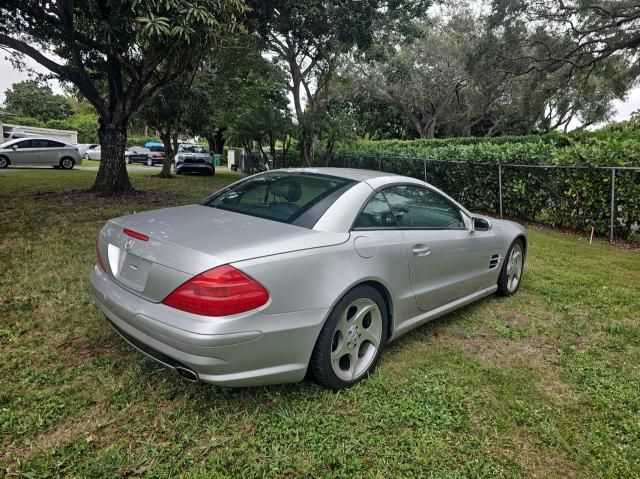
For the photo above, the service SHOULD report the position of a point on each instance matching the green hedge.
(141, 140)
(467, 169)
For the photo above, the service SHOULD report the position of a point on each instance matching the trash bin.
(217, 158)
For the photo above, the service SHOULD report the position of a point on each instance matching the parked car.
(140, 154)
(13, 135)
(84, 147)
(155, 146)
(93, 153)
(193, 158)
(39, 151)
(295, 270)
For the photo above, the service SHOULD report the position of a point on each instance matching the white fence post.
(500, 187)
(613, 202)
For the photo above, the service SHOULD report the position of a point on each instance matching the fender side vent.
(494, 261)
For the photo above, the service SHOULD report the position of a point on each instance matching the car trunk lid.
(185, 241)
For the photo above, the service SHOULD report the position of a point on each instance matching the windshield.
(192, 149)
(294, 198)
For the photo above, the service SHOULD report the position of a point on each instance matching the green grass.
(542, 384)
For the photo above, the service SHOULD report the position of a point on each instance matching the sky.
(9, 75)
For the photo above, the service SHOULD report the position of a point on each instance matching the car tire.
(86, 157)
(150, 162)
(512, 269)
(351, 340)
(129, 161)
(67, 163)
(4, 162)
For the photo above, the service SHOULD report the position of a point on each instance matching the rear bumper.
(243, 350)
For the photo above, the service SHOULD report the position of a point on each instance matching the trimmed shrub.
(467, 169)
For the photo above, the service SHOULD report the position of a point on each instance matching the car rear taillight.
(221, 291)
(100, 262)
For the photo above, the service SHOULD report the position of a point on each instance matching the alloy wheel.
(67, 163)
(514, 267)
(356, 339)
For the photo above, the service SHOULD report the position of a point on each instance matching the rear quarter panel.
(317, 278)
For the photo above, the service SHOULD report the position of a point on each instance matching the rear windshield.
(295, 198)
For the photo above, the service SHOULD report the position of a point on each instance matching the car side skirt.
(409, 324)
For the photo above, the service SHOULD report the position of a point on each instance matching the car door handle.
(421, 250)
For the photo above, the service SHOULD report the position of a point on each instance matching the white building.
(10, 131)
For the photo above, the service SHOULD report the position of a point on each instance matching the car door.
(447, 259)
(376, 238)
(50, 152)
(25, 153)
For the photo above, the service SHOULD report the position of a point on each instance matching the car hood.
(196, 238)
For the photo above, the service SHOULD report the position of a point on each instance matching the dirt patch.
(92, 420)
(537, 463)
(489, 347)
(148, 197)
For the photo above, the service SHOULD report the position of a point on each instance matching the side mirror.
(14, 147)
(480, 224)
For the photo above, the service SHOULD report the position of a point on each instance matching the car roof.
(375, 179)
(36, 138)
(348, 173)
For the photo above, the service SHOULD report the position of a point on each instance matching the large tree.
(461, 76)
(165, 113)
(213, 100)
(576, 32)
(261, 114)
(310, 36)
(118, 53)
(37, 100)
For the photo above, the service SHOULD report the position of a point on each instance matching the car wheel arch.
(523, 240)
(379, 286)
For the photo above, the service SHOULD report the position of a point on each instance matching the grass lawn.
(542, 384)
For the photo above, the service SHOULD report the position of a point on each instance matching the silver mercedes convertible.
(297, 271)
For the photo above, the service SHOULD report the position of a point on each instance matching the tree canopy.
(310, 37)
(118, 53)
(36, 100)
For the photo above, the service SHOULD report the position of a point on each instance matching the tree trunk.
(272, 150)
(285, 149)
(218, 142)
(328, 153)
(431, 129)
(112, 175)
(211, 141)
(264, 155)
(307, 143)
(169, 154)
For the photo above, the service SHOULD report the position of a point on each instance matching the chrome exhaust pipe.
(187, 374)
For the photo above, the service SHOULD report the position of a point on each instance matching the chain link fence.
(575, 197)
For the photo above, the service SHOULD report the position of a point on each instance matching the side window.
(376, 214)
(27, 144)
(417, 207)
(50, 144)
